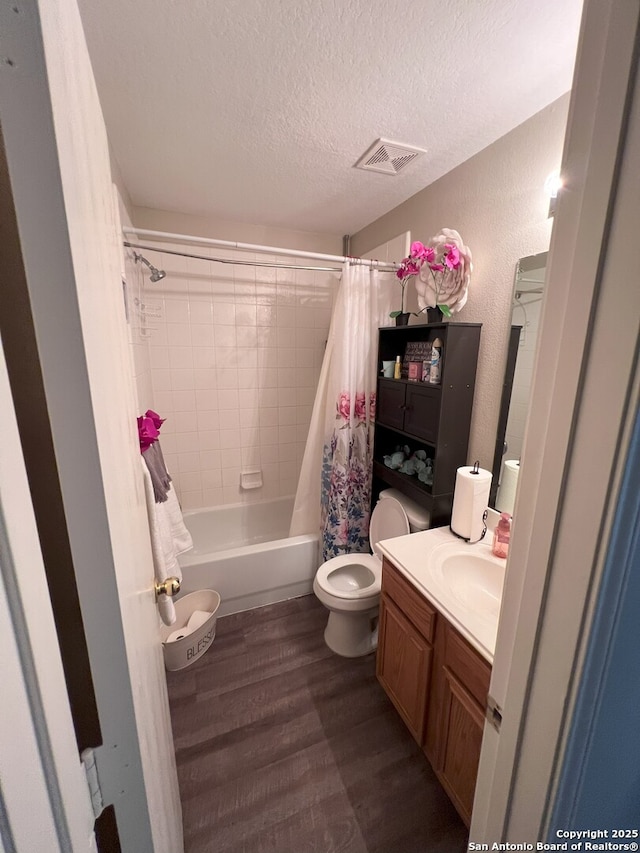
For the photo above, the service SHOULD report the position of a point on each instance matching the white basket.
(181, 653)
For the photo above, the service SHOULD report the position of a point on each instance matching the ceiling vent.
(388, 157)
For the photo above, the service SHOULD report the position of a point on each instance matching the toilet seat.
(346, 562)
(388, 520)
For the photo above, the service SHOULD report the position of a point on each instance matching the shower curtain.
(334, 489)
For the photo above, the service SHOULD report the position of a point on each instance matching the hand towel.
(164, 525)
(158, 470)
(181, 537)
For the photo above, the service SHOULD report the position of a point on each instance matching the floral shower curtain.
(334, 490)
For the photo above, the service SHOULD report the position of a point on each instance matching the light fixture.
(552, 186)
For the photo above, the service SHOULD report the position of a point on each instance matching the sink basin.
(474, 578)
(464, 582)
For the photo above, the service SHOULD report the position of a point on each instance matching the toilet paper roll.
(197, 618)
(506, 496)
(470, 500)
(180, 634)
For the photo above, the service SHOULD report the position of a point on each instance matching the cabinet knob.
(402, 406)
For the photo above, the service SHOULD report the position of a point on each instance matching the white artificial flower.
(446, 285)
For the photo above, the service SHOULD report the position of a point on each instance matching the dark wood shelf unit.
(435, 418)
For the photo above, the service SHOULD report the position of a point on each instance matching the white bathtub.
(244, 552)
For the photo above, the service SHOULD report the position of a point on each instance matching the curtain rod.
(255, 247)
(270, 264)
(529, 290)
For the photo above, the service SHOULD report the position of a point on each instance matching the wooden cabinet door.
(422, 412)
(403, 666)
(391, 403)
(456, 716)
(464, 721)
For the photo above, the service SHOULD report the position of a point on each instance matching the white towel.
(182, 540)
(169, 537)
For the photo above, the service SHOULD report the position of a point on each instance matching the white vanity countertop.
(413, 556)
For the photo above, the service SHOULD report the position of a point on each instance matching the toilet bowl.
(349, 585)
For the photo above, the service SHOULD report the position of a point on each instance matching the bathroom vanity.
(439, 611)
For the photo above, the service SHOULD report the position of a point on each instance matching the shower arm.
(156, 274)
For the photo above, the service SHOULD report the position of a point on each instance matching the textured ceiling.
(256, 110)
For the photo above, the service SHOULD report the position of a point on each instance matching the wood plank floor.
(284, 747)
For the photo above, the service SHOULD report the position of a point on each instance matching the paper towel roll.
(506, 496)
(470, 500)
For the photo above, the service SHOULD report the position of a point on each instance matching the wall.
(496, 201)
(224, 229)
(235, 355)
(133, 278)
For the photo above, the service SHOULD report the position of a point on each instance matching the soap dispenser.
(501, 536)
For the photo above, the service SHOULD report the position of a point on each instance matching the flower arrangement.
(443, 272)
(409, 267)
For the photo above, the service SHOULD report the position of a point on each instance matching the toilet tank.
(417, 515)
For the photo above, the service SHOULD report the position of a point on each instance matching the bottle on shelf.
(436, 362)
(501, 536)
(397, 371)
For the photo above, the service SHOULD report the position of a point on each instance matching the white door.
(44, 800)
(58, 164)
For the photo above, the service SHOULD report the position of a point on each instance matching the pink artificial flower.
(361, 406)
(344, 405)
(429, 254)
(147, 433)
(417, 250)
(155, 417)
(407, 268)
(452, 256)
(436, 267)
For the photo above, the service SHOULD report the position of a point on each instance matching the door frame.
(584, 395)
(44, 798)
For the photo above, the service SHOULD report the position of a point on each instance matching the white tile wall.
(139, 332)
(233, 364)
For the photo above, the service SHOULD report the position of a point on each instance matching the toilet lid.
(388, 520)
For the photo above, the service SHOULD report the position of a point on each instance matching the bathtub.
(244, 552)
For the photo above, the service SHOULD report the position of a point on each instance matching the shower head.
(156, 274)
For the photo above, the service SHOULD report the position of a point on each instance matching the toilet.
(349, 585)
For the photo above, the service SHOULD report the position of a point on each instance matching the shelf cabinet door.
(391, 404)
(403, 666)
(422, 412)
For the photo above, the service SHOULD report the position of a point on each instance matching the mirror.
(525, 318)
